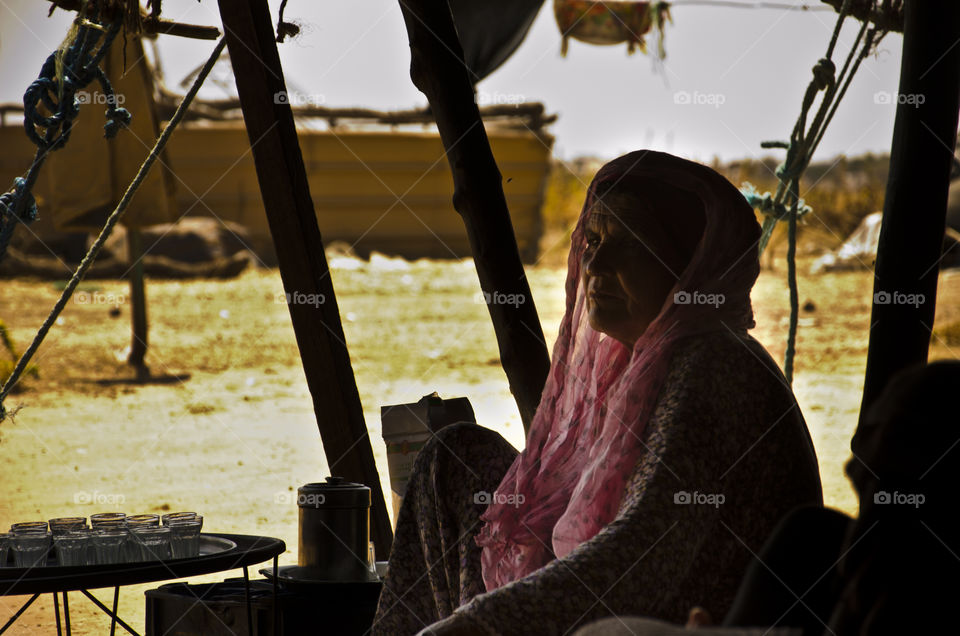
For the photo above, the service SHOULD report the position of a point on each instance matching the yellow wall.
(355, 181)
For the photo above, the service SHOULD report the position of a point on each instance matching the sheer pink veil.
(588, 431)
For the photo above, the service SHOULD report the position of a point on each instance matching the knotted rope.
(786, 204)
(109, 225)
(63, 76)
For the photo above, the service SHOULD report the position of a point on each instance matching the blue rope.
(8, 219)
(772, 210)
(63, 75)
(786, 204)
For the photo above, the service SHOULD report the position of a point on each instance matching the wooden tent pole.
(437, 69)
(303, 265)
(914, 210)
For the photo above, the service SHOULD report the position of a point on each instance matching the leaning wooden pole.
(437, 69)
(138, 303)
(914, 211)
(303, 265)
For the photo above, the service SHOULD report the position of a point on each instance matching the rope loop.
(117, 118)
(824, 72)
(61, 93)
(767, 204)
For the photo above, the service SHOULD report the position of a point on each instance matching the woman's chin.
(624, 330)
(605, 325)
(598, 320)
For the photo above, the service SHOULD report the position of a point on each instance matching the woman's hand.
(699, 617)
(453, 625)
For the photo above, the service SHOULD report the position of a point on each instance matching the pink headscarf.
(588, 431)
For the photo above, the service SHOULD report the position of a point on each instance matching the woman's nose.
(597, 261)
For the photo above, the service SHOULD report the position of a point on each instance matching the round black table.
(218, 553)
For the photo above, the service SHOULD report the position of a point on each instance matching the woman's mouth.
(602, 296)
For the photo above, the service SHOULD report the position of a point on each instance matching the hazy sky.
(747, 68)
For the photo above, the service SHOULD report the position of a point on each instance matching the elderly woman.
(665, 448)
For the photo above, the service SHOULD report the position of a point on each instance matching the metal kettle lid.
(335, 492)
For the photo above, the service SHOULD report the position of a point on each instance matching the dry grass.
(841, 191)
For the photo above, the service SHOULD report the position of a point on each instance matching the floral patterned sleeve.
(729, 455)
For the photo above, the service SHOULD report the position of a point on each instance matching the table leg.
(113, 618)
(276, 614)
(66, 612)
(13, 619)
(246, 587)
(106, 610)
(56, 612)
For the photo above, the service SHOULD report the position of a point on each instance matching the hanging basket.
(607, 23)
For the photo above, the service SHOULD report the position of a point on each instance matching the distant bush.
(948, 334)
(841, 192)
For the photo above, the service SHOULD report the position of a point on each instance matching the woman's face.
(624, 267)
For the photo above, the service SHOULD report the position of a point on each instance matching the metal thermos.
(334, 534)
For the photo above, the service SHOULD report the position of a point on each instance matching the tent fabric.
(88, 176)
(490, 31)
(859, 251)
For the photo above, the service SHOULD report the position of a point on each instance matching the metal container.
(334, 534)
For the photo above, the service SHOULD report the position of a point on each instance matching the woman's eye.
(593, 240)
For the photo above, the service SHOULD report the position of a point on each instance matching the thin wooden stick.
(151, 25)
(437, 69)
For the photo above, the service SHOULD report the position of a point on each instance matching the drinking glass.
(62, 525)
(28, 526)
(177, 516)
(143, 520)
(71, 546)
(132, 550)
(185, 537)
(30, 548)
(108, 544)
(107, 519)
(154, 542)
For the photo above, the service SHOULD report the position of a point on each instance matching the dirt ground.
(227, 429)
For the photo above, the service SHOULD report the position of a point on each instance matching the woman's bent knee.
(463, 440)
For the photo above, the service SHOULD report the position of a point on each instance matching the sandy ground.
(231, 434)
